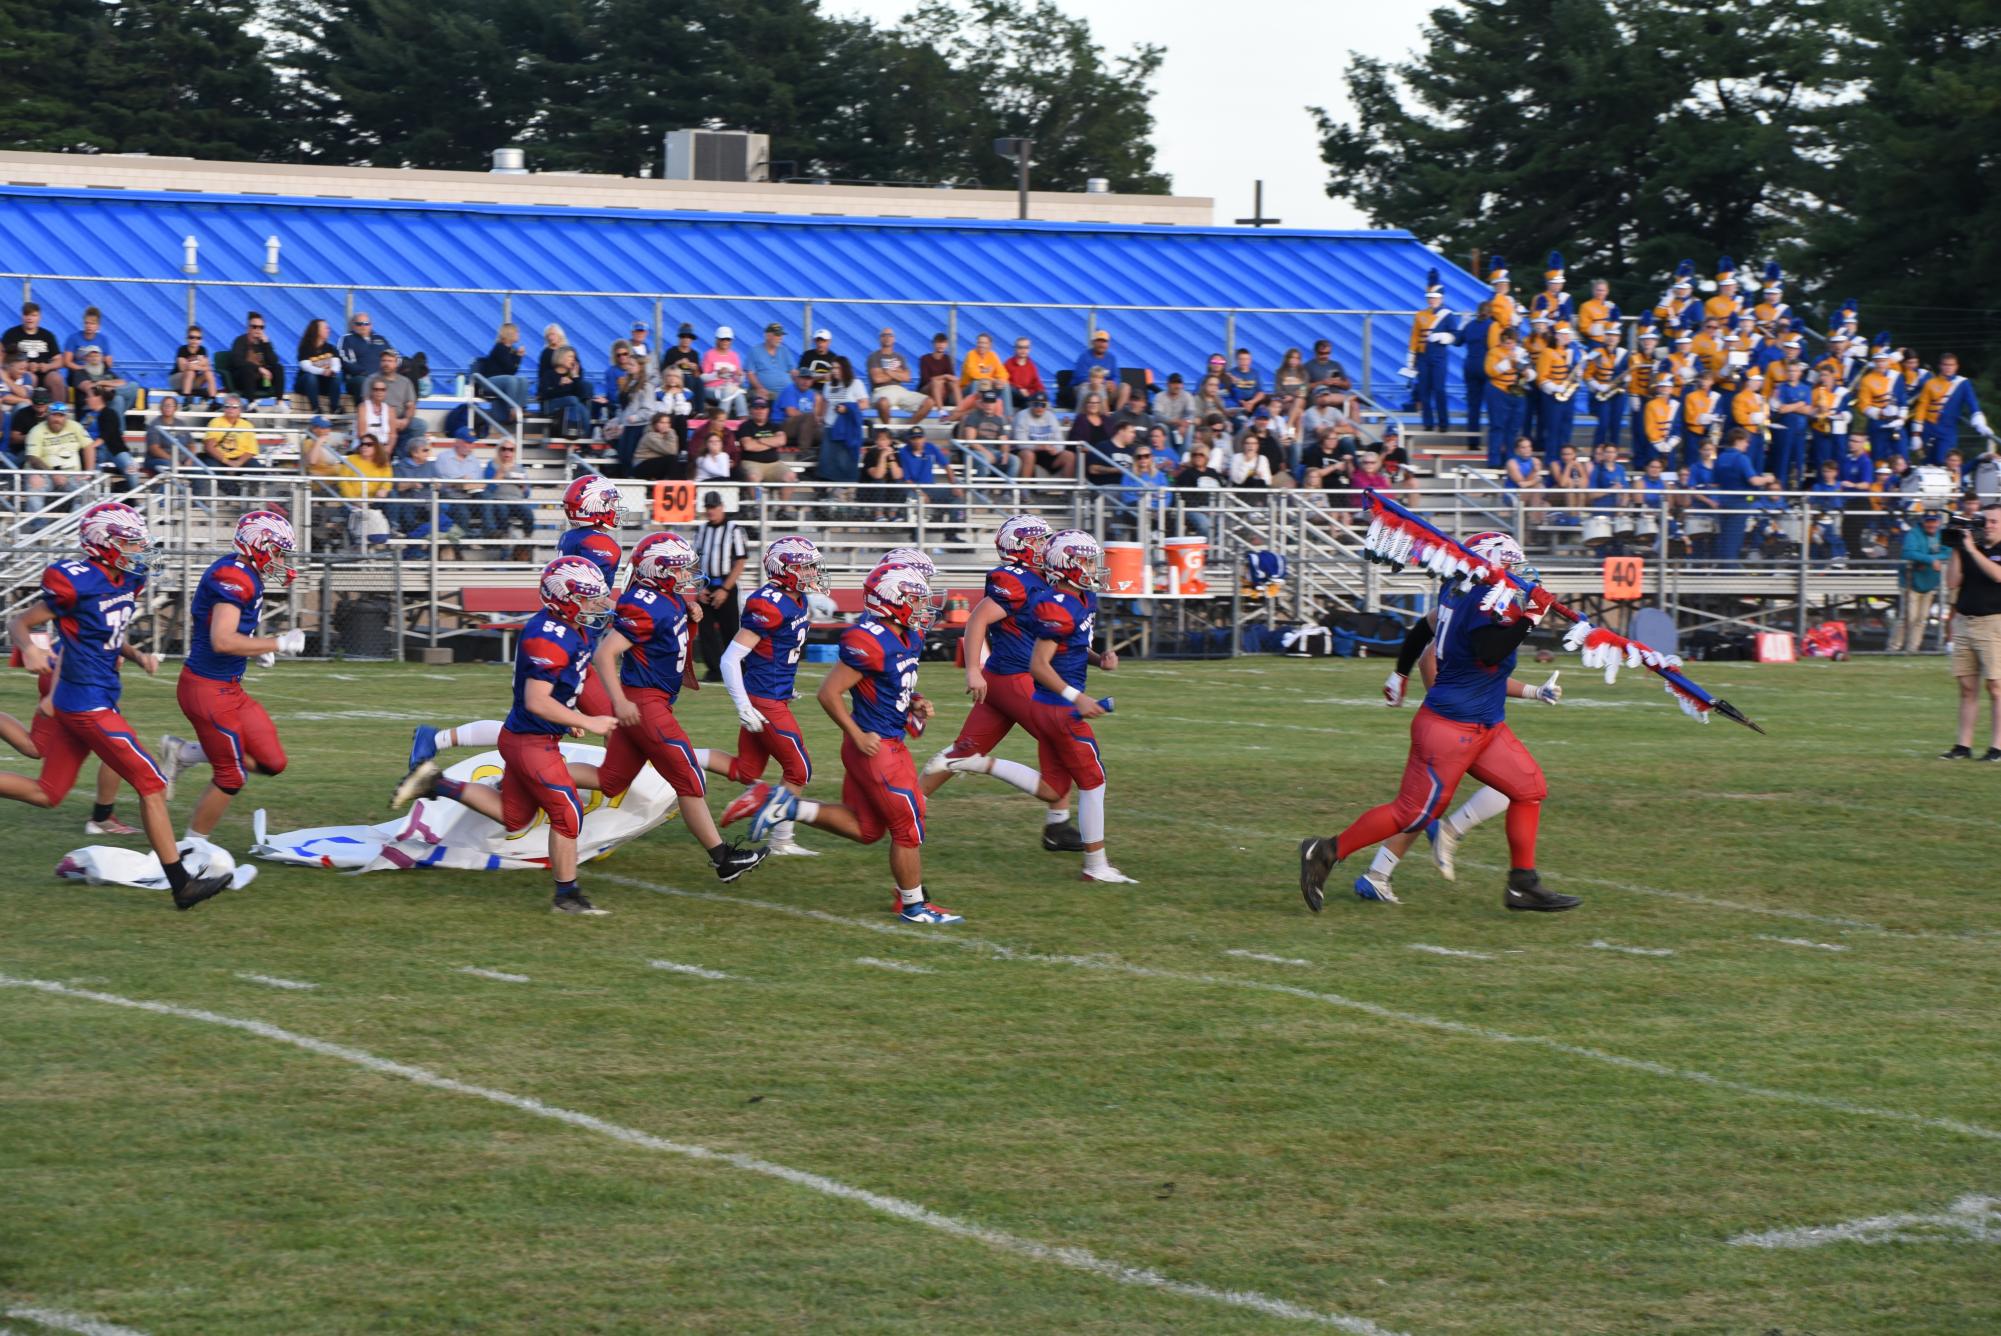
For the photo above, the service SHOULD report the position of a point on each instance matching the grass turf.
(1431, 1143)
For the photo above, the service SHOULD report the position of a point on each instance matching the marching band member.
(1906, 388)
(1643, 368)
(1535, 345)
(1740, 347)
(1749, 410)
(1659, 424)
(1827, 416)
(1506, 312)
(1599, 315)
(1473, 336)
(1876, 399)
(1681, 362)
(1432, 334)
(1605, 376)
(1782, 345)
(1791, 400)
(1946, 399)
(1725, 305)
(1838, 360)
(1677, 309)
(1709, 347)
(1701, 411)
(1509, 377)
(1772, 308)
(1553, 301)
(1559, 373)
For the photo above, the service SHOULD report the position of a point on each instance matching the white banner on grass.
(438, 832)
(109, 865)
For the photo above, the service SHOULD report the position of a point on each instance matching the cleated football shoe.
(1526, 891)
(791, 849)
(170, 761)
(1108, 875)
(577, 903)
(417, 784)
(1062, 838)
(1316, 861)
(1991, 754)
(926, 912)
(780, 805)
(111, 825)
(745, 803)
(739, 861)
(1444, 845)
(423, 744)
(940, 763)
(1374, 885)
(1956, 753)
(975, 764)
(199, 889)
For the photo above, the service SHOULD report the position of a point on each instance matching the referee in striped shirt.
(723, 548)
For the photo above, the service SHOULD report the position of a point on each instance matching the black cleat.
(1316, 861)
(1957, 754)
(1062, 838)
(1992, 754)
(737, 860)
(1526, 891)
(199, 889)
(575, 903)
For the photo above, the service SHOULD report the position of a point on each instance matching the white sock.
(1014, 774)
(1055, 816)
(1482, 806)
(914, 896)
(1095, 860)
(1386, 860)
(782, 832)
(191, 753)
(482, 733)
(1091, 816)
(807, 811)
(701, 758)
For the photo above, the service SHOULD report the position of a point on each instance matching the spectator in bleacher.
(502, 368)
(889, 380)
(370, 470)
(761, 446)
(679, 402)
(1042, 434)
(1523, 474)
(1024, 378)
(1609, 480)
(1196, 476)
(375, 415)
(1735, 479)
(801, 408)
(1092, 425)
(1138, 412)
(107, 432)
(604, 404)
(321, 448)
(1143, 490)
(461, 478)
(41, 349)
(92, 375)
(1290, 379)
(60, 455)
(1825, 541)
(1325, 456)
(1248, 465)
(400, 394)
(1569, 480)
(715, 453)
(1157, 440)
(1210, 405)
(167, 437)
(819, 359)
(1105, 462)
(1326, 414)
(658, 454)
(1403, 478)
(637, 400)
(268, 382)
(928, 470)
(845, 404)
(506, 495)
(1175, 407)
(880, 468)
(1324, 372)
(230, 442)
(554, 339)
(983, 369)
(1370, 473)
(88, 359)
(1098, 355)
(361, 350)
(640, 340)
(1269, 444)
(193, 367)
(17, 398)
(417, 482)
(767, 367)
(1243, 387)
(722, 373)
(563, 393)
(318, 376)
(937, 375)
(982, 434)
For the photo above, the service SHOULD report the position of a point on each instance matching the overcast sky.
(1230, 100)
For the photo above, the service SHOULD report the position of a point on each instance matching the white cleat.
(414, 785)
(1108, 875)
(170, 760)
(787, 849)
(940, 763)
(968, 765)
(1374, 885)
(1444, 844)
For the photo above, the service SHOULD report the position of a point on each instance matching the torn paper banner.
(108, 865)
(437, 832)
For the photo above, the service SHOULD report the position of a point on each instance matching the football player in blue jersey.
(92, 602)
(872, 695)
(759, 669)
(233, 732)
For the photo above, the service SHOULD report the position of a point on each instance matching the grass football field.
(1183, 1105)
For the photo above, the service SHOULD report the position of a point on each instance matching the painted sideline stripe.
(1075, 1259)
(673, 968)
(273, 981)
(1803, 941)
(1448, 951)
(74, 1322)
(899, 966)
(1602, 945)
(1111, 965)
(1975, 1219)
(1269, 960)
(498, 976)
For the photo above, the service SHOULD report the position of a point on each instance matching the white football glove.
(266, 659)
(751, 718)
(1549, 693)
(1393, 688)
(292, 642)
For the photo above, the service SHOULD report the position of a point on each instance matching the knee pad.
(231, 789)
(269, 767)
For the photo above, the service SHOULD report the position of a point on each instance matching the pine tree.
(42, 48)
(193, 80)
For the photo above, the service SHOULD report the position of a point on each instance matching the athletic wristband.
(1071, 694)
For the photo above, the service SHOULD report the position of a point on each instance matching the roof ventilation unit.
(717, 155)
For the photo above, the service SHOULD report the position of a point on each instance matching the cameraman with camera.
(1974, 573)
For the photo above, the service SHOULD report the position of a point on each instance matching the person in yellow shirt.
(1725, 305)
(1750, 410)
(982, 364)
(1772, 308)
(1708, 347)
(1553, 301)
(1559, 375)
(1658, 425)
(1506, 311)
(1599, 315)
(1876, 400)
(372, 473)
(1508, 379)
(1676, 308)
(1701, 418)
(230, 441)
(1827, 417)
(1605, 377)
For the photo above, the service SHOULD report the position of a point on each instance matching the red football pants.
(1442, 752)
(535, 777)
(658, 738)
(779, 737)
(232, 727)
(67, 738)
(1010, 703)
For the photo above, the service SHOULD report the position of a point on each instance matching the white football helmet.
(574, 591)
(900, 594)
(1498, 549)
(114, 535)
(1074, 557)
(793, 563)
(265, 538)
(663, 561)
(1022, 538)
(913, 557)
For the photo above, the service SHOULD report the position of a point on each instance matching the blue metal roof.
(850, 268)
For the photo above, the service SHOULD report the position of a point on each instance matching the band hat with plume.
(1726, 269)
(1684, 274)
(1433, 283)
(1554, 273)
(1774, 279)
(1497, 269)
(1882, 347)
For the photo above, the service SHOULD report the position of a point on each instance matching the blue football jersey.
(887, 662)
(599, 547)
(1466, 690)
(230, 580)
(1014, 587)
(780, 621)
(550, 651)
(657, 625)
(92, 607)
(1068, 620)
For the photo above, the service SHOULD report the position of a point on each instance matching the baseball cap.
(725, 332)
(321, 423)
(466, 434)
(760, 402)
(774, 328)
(640, 326)
(1174, 378)
(822, 334)
(989, 396)
(58, 406)
(1038, 401)
(1104, 334)
(711, 499)
(685, 332)
(914, 434)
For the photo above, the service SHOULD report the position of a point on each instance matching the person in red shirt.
(1024, 380)
(937, 377)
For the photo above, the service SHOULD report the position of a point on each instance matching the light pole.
(1020, 151)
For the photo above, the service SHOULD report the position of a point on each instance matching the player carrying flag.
(595, 509)
(759, 668)
(91, 602)
(1460, 729)
(877, 676)
(232, 730)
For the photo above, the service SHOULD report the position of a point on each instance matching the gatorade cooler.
(1126, 570)
(1186, 560)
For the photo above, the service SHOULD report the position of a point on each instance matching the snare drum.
(1622, 524)
(1597, 530)
(1698, 521)
(1647, 525)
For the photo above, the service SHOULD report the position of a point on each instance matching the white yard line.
(1269, 960)
(1448, 951)
(1970, 1219)
(673, 967)
(273, 981)
(899, 966)
(498, 976)
(1112, 965)
(1074, 1259)
(1807, 942)
(57, 1320)
(1631, 950)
